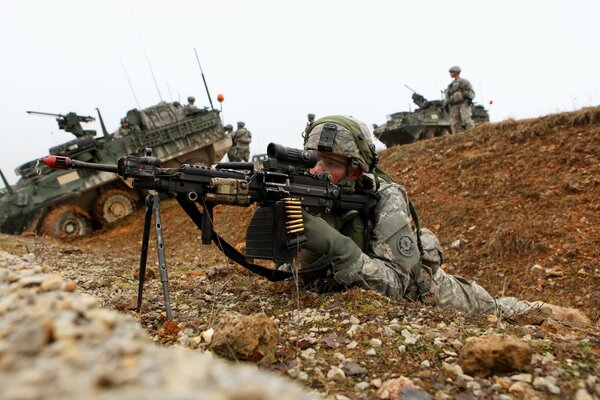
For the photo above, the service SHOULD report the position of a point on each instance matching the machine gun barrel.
(409, 88)
(60, 162)
(45, 113)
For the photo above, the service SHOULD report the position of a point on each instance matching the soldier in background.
(125, 129)
(190, 107)
(311, 120)
(459, 96)
(240, 149)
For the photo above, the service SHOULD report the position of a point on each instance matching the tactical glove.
(323, 240)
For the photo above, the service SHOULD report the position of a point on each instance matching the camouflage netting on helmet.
(352, 139)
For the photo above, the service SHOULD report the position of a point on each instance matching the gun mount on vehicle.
(70, 203)
(430, 120)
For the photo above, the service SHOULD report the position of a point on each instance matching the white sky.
(276, 61)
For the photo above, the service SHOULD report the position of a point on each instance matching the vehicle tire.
(442, 132)
(113, 205)
(67, 221)
(427, 133)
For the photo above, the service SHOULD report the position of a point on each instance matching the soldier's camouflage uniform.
(390, 262)
(459, 96)
(240, 150)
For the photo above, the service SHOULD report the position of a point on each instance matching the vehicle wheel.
(427, 133)
(112, 205)
(67, 221)
(443, 132)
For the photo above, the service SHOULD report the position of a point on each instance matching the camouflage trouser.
(460, 117)
(445, 291)
(243, 154)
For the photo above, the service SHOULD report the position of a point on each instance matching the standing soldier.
(459, 96)
(311, 120)
(240, 150)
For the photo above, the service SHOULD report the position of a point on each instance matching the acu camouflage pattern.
(459, 96)
(344, 143)
(240, 150)
(388, 263)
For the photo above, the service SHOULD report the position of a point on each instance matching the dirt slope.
(515, 194)
(515, 205)
(521, 198)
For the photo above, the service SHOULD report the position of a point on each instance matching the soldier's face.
(336, 165)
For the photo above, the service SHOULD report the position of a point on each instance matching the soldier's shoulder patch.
(406, 246)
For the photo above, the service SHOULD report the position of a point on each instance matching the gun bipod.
(153, 208)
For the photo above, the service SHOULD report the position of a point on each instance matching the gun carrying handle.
(207, 224)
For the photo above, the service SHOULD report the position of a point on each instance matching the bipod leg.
(160, 249)
(144, 252)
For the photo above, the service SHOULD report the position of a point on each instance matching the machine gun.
(417, 98)
(71, 122)
(282, 189)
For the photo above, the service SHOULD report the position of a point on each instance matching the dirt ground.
(523, 199)
(515, 205)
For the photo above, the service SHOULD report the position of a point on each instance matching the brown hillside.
(515, 194)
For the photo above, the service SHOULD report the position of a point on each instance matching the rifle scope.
(305, 158)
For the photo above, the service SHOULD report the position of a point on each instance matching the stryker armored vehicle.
(430, 120)
(70, 203)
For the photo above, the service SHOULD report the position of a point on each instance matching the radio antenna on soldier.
(125, 71)
(147, 58)
(204, 80)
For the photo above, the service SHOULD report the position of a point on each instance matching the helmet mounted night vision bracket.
(327, 138)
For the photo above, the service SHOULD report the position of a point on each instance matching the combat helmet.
(343, 135)
(191, 99)
(241, 124)
(454, 68)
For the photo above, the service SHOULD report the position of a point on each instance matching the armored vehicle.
(69, 203)
(430, 120)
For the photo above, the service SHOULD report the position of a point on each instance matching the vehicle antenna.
(125, 71)
(204, 80)
(147, 58)
(169, 90)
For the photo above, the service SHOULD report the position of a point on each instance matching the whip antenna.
(147, 58)
(203, 80)
(125, 71)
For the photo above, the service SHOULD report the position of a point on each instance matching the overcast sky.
(276, 61)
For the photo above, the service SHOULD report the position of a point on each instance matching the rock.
(392, 387)
(522, 378)
(353, 369)
(565, 315)
(485, 355)
(335, 374)
(251, 338)
(582, 394)
(545, 384)
(207, 335)
(58, 344)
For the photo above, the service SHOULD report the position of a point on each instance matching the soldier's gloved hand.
(325, 240)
